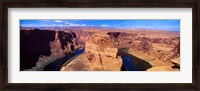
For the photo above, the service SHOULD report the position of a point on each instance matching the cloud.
(68, 23)
(47, 25)
(74, 24)
(83, 25)
(71, 24)
(41, 25)
(58, 21)
(165, 27)
(103, 25)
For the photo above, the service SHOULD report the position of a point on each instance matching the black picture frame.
(194, 4)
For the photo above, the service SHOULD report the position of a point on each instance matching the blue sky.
(169, 25)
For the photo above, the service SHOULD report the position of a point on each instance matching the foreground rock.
(163, 68)
(100, 54)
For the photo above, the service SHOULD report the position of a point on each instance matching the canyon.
(102, 49)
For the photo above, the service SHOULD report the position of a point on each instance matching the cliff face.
(122, 39)
(81, 36)
(159, 48)
(64, 42)
(100, 54)
(42, 44)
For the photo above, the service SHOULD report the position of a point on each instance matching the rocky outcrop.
(100, 54)
(39, 44)
(122, 39)
(82, 36)
(163, 68)
(159, 52)
(102, 46)
(145, 45)
(172, 55)
(142, 47)
(161, 40)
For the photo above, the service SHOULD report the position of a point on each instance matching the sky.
(169, 25)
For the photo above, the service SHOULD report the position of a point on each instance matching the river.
(130, 62)
(56, 65)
